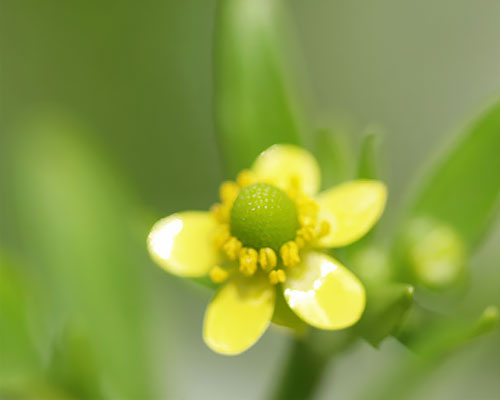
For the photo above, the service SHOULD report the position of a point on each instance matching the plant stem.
(302, 373)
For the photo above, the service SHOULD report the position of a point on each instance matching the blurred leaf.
(387, 305)
(254, 102)
(463, 189)
(75, 220)
(444, 335)
(367, 168)
(432, 347)
(73, 366)
(370, 263)
(367, 164)
(334, 154)
(20, 361)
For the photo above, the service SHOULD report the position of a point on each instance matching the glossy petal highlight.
(324, 293)
(351, 209)
(288, 165)
(183, 245)
(239, 314)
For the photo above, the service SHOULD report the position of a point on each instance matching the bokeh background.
(106, 124)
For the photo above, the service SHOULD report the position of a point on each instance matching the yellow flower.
(266, 234)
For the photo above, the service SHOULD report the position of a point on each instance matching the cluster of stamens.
(271, 261)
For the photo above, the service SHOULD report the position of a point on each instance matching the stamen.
(248, 261)
(228, 192)
(289, 253)
(245, 178)
(218, 275)
(220, 212)
(306, 233)
(222, 235)
(300, 242)
(267, 259)
(277, 276)
(305, 220)
(232, 248)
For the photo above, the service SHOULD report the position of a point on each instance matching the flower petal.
(182, 243)
(239, 314)
(283, 164)
(352, 209)
(324, 293)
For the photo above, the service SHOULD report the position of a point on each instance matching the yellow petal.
(351, 209)
(183, 243)
(288, 165)
(239, 314)
(324, 293)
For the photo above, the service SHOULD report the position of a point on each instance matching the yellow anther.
(289, 253)
(306, 233)
(245, 178)
(277, 276)
(232, 248)
(220, 212)
(324, 229)
(218, 275)
(306, 220)
(300, 242)
(228, 192)
(222, 235)
(267, 258)
(248, 261)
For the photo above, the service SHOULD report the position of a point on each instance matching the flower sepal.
(387, 307)
(284, 317)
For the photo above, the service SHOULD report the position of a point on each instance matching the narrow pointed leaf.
(334, 154)
(367, 163)
(463, 189)
(75, 220)
(254, 103)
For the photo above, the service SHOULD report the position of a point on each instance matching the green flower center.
(263, 216)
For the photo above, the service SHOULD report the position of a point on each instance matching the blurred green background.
(106, 124)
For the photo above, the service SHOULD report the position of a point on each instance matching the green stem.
(302, 373)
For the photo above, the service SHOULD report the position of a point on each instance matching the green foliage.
(255, 106)
(73, 366)
(368, 161)
(463, 189)
(386, 307)
(333, 153)
(431, 345)
(20, 361)
(75, 223)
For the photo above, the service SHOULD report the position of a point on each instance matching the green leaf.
(432, 347)
(463, 189)
(76, 217)
(20, 360)
(386, 308)
(440, 336)
(254, 101)
(368, 160)
(73, 364)
(334, 154)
